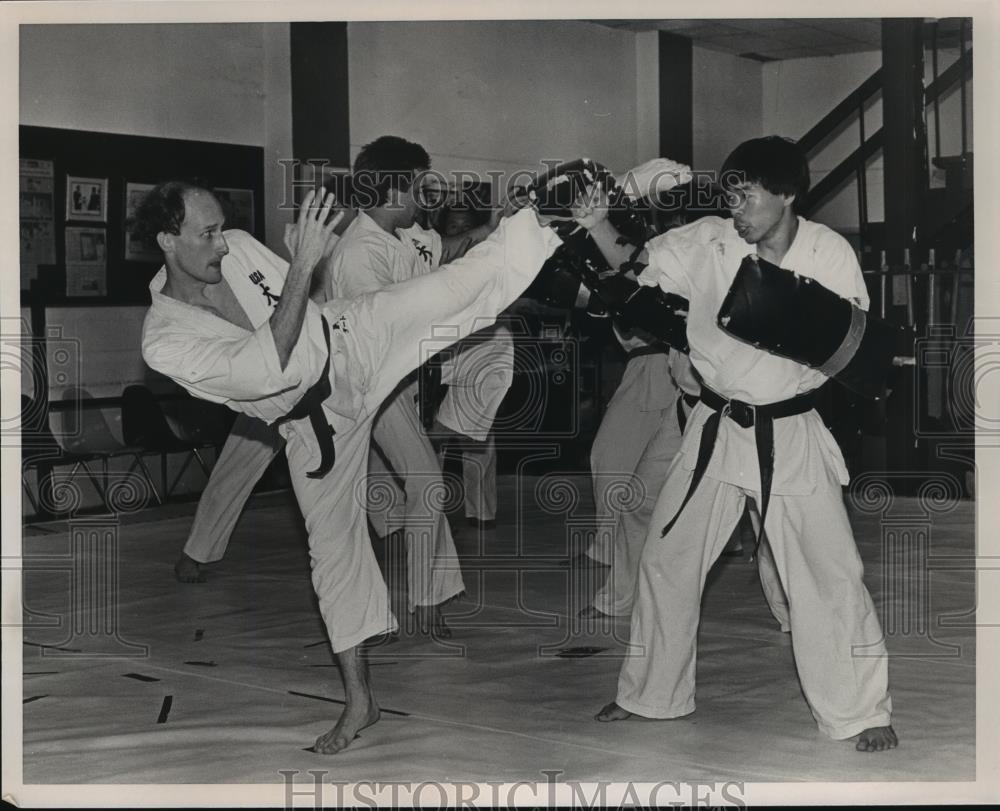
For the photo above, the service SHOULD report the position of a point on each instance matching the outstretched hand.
(312, 238)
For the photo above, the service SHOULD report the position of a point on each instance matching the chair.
(90, 441)
(145, 425)
(207, 424)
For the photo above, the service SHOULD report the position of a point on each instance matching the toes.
(611, 712)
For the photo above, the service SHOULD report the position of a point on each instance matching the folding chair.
(145, 425)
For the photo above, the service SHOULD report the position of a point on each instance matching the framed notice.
(138, 250)
(86, 262)
(37, 217)
(87, 199)
(237, 205)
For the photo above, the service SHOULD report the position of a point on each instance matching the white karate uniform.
(637, 440)
(836, 636)
(367, 259)
(374, 342)
(479, 373)
(247, 453)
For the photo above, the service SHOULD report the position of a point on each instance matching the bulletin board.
(76, 187)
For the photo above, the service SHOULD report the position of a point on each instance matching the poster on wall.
(87, 198)
(86, 262)
(37, 217)
(237, 205)
(138, 250)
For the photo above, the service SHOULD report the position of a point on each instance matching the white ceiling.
(772, 39)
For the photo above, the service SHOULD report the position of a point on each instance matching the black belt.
(691, 400)
(642, 351)
(311, 405)
(761, 418)
(429, 389)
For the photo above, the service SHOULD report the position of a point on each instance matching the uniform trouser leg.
(479, 481)
(657, 678)
(382, 334)
(836, 635)
(615, 598)
(390, 332)
(478, 376)
(249, 449)
(353, 599)
(433, 571)
(770, 583)
(624, 433)
(386, 498)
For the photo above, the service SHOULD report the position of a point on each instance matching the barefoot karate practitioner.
(754, 425)
(232, 323)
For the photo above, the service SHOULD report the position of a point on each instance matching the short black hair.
(388, 162)
(778, 164)
(163, 210)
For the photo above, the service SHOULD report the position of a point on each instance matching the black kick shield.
(796, 317)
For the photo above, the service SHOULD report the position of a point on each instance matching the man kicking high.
(218, 328)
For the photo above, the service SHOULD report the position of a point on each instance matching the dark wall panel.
(132, 159)
(676, 98)
(320, 125)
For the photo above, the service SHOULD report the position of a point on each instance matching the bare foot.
(612, 712)
(430, 621)
(877, 739)
(350, 723)
(591, 612)
(188, 570)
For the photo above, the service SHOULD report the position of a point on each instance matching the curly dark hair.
(162, 209)
(389, 162)
(778, 164)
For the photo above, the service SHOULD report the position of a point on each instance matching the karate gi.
(367, 259)
(479, 373)
(638, 438)
(247, 453)
(836, 637)
(374, 342)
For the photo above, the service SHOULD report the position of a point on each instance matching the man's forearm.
(309, 242)
(617, 251)
(286, 320)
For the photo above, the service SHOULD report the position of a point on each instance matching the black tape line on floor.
(34, 698)
(165, 709)
(340, 701)
(202, 664)
(139, 677)
(41, 672)
(578, 653)
(198, 635)
(50, 647)
(228, 613)
(315, 644)
(334, 664)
